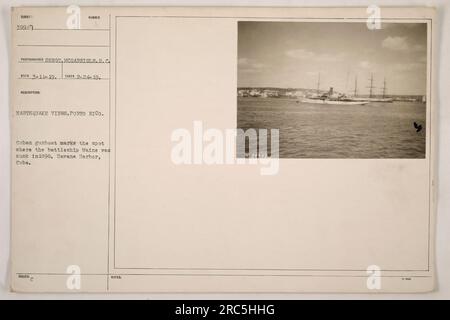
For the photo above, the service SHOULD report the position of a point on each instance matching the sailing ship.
(371, 97)
(331, 98)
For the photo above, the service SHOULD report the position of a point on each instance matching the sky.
(292, 54)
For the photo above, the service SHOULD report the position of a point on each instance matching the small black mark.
(418, 127)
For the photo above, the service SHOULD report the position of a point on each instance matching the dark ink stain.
(418, 127)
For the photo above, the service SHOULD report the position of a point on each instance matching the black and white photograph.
(335, 89)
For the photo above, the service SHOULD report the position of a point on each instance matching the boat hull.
(373, 99)
(334, 102)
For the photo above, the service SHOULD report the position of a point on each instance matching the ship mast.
(356, 86)
(384, 88)
(318, 84)
(371, 86)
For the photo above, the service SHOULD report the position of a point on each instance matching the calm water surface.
(375, 130)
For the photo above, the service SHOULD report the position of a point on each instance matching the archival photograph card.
(229, 150)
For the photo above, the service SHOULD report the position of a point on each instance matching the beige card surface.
(222, 149)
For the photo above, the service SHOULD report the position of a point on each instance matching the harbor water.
(374, 130)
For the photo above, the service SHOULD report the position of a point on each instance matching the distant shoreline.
(305, 90)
